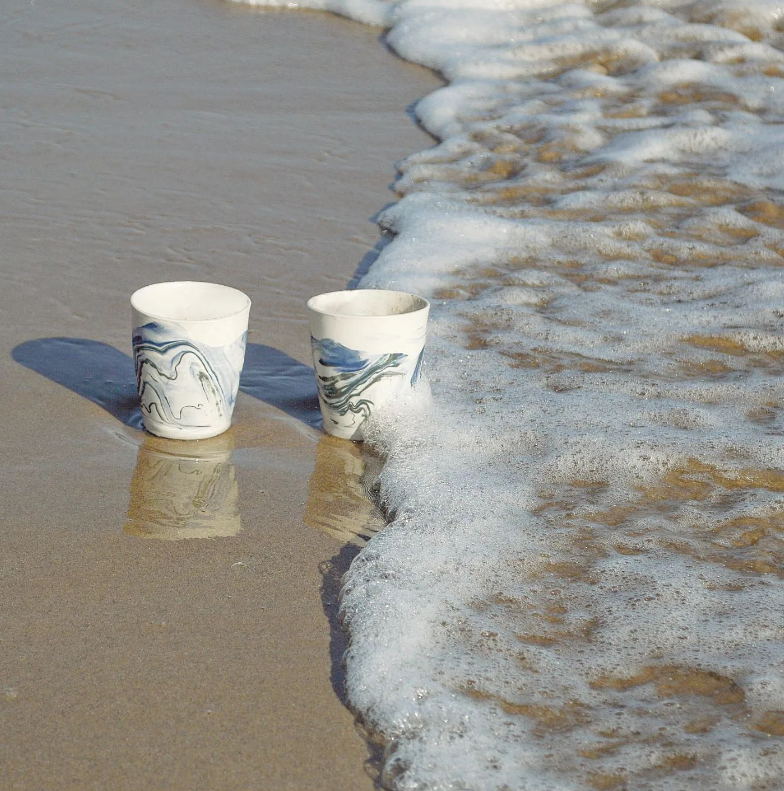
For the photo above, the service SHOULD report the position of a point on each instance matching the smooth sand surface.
(165, 140)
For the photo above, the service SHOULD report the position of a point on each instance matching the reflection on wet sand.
(340, 501)
(184, 490)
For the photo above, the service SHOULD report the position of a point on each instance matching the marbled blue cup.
(367, 349)
(189, 347)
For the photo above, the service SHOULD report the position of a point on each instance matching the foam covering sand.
(581, 584)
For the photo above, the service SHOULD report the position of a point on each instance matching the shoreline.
(182, 141)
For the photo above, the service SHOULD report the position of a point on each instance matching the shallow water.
(166, 140)
(581, 586)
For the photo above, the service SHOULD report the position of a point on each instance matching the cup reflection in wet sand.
(184, 490)
(340, 492)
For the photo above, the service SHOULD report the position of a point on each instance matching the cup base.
(354, 433)
(168, 431)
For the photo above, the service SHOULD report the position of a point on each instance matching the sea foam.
(581, 583)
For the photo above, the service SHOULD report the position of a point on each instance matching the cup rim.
(424, 304)
(157, 316)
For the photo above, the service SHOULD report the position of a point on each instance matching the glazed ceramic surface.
(189, 347)
(367, 347)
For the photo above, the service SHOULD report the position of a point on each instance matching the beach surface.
(180, 140)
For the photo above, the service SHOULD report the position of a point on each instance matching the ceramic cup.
(188, 347)
(367, 348)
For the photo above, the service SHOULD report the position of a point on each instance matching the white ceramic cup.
(367, 348)
(188, 347)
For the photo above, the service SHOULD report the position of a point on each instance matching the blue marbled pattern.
(418, 368)
(344, 375)
(182, 383)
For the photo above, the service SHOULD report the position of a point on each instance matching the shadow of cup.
(105, 376)
(184, 490)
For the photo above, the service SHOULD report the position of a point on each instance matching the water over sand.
(179, 139)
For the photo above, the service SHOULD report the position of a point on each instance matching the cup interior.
(189, 301)
(367, 302)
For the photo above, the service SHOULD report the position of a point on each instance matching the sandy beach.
(180, 139)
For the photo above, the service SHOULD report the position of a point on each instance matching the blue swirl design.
(181, 383)
(418, 368)
(345, 374)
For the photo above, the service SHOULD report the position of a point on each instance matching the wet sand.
(180, 139)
